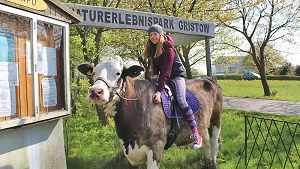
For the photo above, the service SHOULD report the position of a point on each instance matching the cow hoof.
(133, 167)
(209, 165)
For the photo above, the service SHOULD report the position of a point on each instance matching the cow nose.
(95, 93)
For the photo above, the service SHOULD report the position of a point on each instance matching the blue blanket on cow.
(191, 99)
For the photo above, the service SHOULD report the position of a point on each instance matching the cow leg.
(154, 155)
(152, 162)
(207, 148)
(133, 167)
(214, 145)
(211, 147)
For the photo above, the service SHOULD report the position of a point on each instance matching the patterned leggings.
(180, 92)
(181, 99)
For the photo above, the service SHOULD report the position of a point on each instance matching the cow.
(141, 125)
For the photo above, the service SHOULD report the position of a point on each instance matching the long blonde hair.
(147, 53)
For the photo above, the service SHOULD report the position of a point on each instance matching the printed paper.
(49, 92)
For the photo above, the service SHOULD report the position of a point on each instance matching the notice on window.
(7, 100)
(39, 58)
(7, 43)
(9, 73)
(49, 59)
(49, 92)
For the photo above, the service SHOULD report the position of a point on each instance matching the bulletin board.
(16, 88)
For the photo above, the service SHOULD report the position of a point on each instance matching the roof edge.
(66, 9)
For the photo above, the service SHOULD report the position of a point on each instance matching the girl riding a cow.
(167, 66)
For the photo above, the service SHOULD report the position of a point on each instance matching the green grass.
(286, 90)
(89, 145)
(92, 146)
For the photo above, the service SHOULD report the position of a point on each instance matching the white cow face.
(106, 75)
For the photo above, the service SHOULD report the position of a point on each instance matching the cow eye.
(118, 73)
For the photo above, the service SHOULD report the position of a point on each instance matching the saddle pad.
(191, 99)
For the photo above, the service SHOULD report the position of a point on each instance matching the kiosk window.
(15, 82)
(51, 73)
(16, 79)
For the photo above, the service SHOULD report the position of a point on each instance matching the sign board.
(33, 4)
(119, 18)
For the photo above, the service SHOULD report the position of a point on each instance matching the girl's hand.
(154, 78)
(157, 97)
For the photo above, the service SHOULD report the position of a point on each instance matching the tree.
(224, 62)
(91, 53)
(129, 44)
(186, 9)
(286, 69)
(297, 71)
(273, 60)
(194, 71)
(261, 23)
(130, 48)
(189, 57)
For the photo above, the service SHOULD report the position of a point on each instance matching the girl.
(166, 65)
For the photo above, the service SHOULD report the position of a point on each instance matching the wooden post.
(207, 55)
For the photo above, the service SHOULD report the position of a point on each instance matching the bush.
(238, 77)
(297, 71)
(283, 77)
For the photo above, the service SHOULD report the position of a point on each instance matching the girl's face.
(154, 37)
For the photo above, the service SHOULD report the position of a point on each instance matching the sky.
(294, 59)
(294, 50)
(290, 51)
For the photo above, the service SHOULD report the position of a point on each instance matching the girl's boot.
(190, 118)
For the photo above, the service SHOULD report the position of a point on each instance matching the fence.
(270, 143)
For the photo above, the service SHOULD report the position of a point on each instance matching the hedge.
(238, 77)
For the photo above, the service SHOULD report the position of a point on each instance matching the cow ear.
(86, 69)
(132, 71)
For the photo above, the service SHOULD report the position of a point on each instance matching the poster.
(39, 58)
(7, 43)
(9, 73)
(8, 83)
(49, 92)
(49, 60)
(7, 99)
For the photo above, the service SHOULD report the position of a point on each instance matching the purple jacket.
(167, 65)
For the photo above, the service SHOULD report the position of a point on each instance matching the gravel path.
(286, 108)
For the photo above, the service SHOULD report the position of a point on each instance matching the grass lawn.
(92, 146)
(286, 90)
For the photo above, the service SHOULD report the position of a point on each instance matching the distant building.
(229, 65)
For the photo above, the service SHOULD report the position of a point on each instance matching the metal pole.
(245, 148)
(207, 55)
